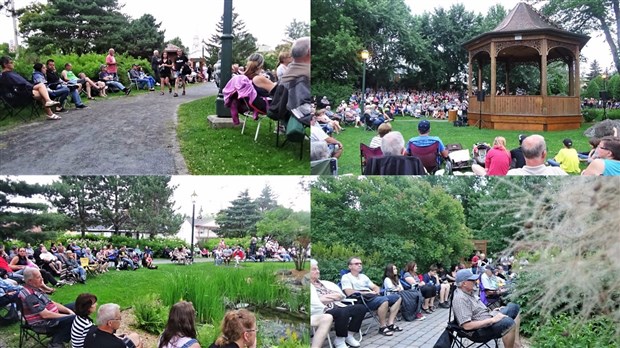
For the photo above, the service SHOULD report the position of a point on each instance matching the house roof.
(525, 19)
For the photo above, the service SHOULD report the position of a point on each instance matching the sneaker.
(351, 341)
(169, 90)
(176, 95)
(81, 106)
(339, 342)
(183, 93)
(419, 317)
(127, 91)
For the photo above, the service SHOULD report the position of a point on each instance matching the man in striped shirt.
(40, 311)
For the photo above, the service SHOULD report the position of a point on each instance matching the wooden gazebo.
(524, 37)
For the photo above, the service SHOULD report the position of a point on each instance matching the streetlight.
(604, 94)
(191, 246)
(364, 54)
(226, 58)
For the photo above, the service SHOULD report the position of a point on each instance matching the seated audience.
(535, 153)
(491, 284)
(497, 160)
(393, 144)
(317, 134)
(85, 305)
(141, 79)
(103, 335)
(411, 277)
(472, 315)
(516, 155)
(55, 82)
(567, 158)
(318, 150)
(60, 93)
(608, 161)
(325, 299)
(73, 265)
(38, 92)
(68, 76)
(239, 330)
(40, 311)
(432, 279)
(322, 118)
(383, 129)
(20, 262)
(108, 79)
(180, 331)
(357, 282)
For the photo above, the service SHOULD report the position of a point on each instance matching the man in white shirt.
(535, 153)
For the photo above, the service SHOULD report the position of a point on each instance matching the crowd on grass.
(479, 300)
(390, 154)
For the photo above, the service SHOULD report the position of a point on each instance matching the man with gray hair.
(535, 152)
(472, 315)
(155, 65)
(103, 335)
(39, 311)
(393, 144)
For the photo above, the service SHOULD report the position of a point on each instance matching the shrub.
(151, 314)
(563, 331)
(613, 114)
(334, 91)
(589, 114)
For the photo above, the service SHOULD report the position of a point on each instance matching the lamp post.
(226, 59)
(191, 246)
(364, 54)
(604, 94)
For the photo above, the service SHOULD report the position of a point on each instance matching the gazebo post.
(507, 67)
(577, 84)
(493, 78)
(479, 75)
(469, 77)
(571, 76)
(543, 71)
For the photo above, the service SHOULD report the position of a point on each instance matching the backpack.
(277, 109)
(409, 305)
(295, 130)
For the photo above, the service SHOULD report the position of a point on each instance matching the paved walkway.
(415, 334)
(120, 136)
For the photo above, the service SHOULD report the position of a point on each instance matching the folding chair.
(135, 82)
(489, 302)
(427, 154)
(357, 297)
(261, 116)
(329, 340)
(90, 269)
(327, 166)
(15, 99)
(27, 331)
(459, 335)
(367, 152)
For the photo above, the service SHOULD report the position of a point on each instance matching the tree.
(595, 70)
(76, 198)
(18, 218)
(152, 207)
(288, 228)
(73, 26)
(244, 43)
(296, 29)
(239, 220)
(142, 36)
(588, 16)
(267, 200)
(114, 200)
(177, 42)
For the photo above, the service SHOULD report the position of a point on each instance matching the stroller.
(479, 152)
(458, 158)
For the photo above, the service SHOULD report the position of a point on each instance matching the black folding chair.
(462, 338)
(27, 331)
(16, 98)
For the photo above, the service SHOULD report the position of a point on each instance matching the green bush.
(563, 331)
(151, 314)
(613, 114)
(590, 114)
(333, 91)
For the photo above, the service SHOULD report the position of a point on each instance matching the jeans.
(146, 81)
(76, 97)
(500, 328)
(116, 85)
(61, 93)
(81, 272)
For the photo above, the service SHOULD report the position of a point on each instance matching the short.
(500, 328)
(378, 301)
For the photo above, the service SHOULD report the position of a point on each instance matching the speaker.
(480, 96)
(604, 95)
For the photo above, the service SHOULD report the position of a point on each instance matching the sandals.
(385, 331)
(53, 117)
(51, 103)
(176, 95)
(91, 98)
(394, 327)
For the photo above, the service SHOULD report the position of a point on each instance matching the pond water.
(280, 323)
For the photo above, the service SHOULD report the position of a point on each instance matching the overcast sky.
(216, 192)
(266, 20)
(596, 48)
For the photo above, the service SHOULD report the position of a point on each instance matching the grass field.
(349, 162)
(226, 151)
(130, 288)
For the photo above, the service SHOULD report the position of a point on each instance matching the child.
(567, 158)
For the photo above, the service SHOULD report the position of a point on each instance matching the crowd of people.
(413, 294)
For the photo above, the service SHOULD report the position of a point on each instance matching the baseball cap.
(424, 126)
(465, 274)
(522, 137)
(567, 142)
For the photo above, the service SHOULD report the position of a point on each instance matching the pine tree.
(595, 70)
(240, 219)
(75, 197)
(267, 200)
(244, 43)
(152, 207)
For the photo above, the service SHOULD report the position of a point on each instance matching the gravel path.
(120, 136)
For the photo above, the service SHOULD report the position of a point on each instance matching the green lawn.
(127, 288)
(349, 162)
(226, 151)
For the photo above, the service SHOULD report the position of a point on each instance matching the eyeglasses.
(356, 263)
(253, 330)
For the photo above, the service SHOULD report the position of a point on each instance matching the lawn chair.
(134, 82)
(90, 269)
(427, 154)
(327, 166)
(15, 99)
(367, 152)
(492, 303)
(27, 331)
(460, 337)
(394, 165)
(258, 113)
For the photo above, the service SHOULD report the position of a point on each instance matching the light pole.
(604, 94)
(364, 54)
(191, 246)
(226, 58)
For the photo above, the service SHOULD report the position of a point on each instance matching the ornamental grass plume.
(572, 232)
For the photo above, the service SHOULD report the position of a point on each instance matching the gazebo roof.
(523, 20)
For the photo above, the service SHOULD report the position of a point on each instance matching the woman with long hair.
(391, 283)
(180, 331)
(85, 305)
(415, 280)
(238, 330)
(253, 71)
(165, 66)
(497, 160)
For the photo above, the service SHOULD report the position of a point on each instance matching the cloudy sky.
(266, 20)
(216, 192)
